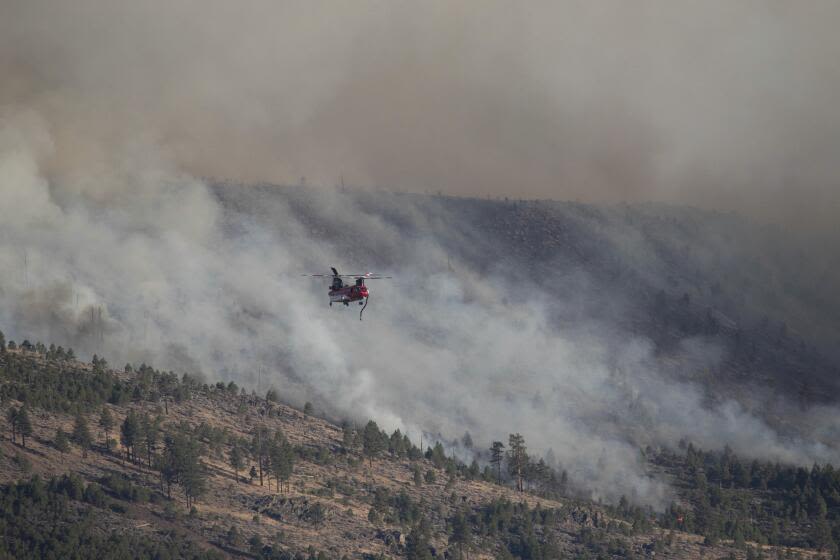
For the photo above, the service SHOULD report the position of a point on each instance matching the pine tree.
(497, 453)
(272, 464)
(821, 535)
(417, 542)
(460, 532)
(438, 455)
(259, 448)
(61, 441)
(181, 464)
(396, 444)
(106, 422)
(237, 461)
(192, 476)
(372, 441)
(24, 426)
(81, 434)
(129, 432)
(282, 460)
(348, 438)
(517, 458)
(12, 420)
(474, 470)
(150, 430)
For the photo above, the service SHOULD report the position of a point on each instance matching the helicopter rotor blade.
(335, 274)
(366, 276)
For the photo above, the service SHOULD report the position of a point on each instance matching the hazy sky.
(728, 104)
(112, 112)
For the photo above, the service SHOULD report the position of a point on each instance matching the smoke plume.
(112, 114)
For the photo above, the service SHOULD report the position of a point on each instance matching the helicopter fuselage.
(348, 294)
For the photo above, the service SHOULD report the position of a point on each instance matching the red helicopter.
(341, 292)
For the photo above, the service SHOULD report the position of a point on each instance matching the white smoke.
(109, 241)
(152, 268)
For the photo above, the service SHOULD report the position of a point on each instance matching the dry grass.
(280, 517)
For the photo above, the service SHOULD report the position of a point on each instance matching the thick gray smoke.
(109, 242)
(730, 105)
(152, 267)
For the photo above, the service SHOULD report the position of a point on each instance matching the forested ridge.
(142, 463)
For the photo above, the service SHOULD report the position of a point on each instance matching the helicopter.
(347, 293)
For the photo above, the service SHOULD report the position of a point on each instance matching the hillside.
(763, 294)
(339, 500)
(733, 313)
(592, 330)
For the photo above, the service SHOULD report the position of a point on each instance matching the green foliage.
(281, 458)
(417, 544)
(524, 532)
(320, 455)
(372, 440)
(106, 422)
(61, 441)
(149, 436)
(397, 445)
(19, 423)
(59, 519)
(130, 435)
(121, 487)
(234, 536)
(81, 434)
(517, 458)
(24, 425)
(437, 456)
(348, 439)
(755, 501)
(57, 384)
(316, 514)
(460, 534)
(181, 464)
(259, 449)
(237, 459)
(497, 454)
(255, 545)
(474, 471)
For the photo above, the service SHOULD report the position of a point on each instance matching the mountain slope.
(338, 501)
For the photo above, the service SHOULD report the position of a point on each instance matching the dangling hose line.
(367, 299)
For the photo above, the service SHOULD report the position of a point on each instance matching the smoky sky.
(113, 115)
(715, 103)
